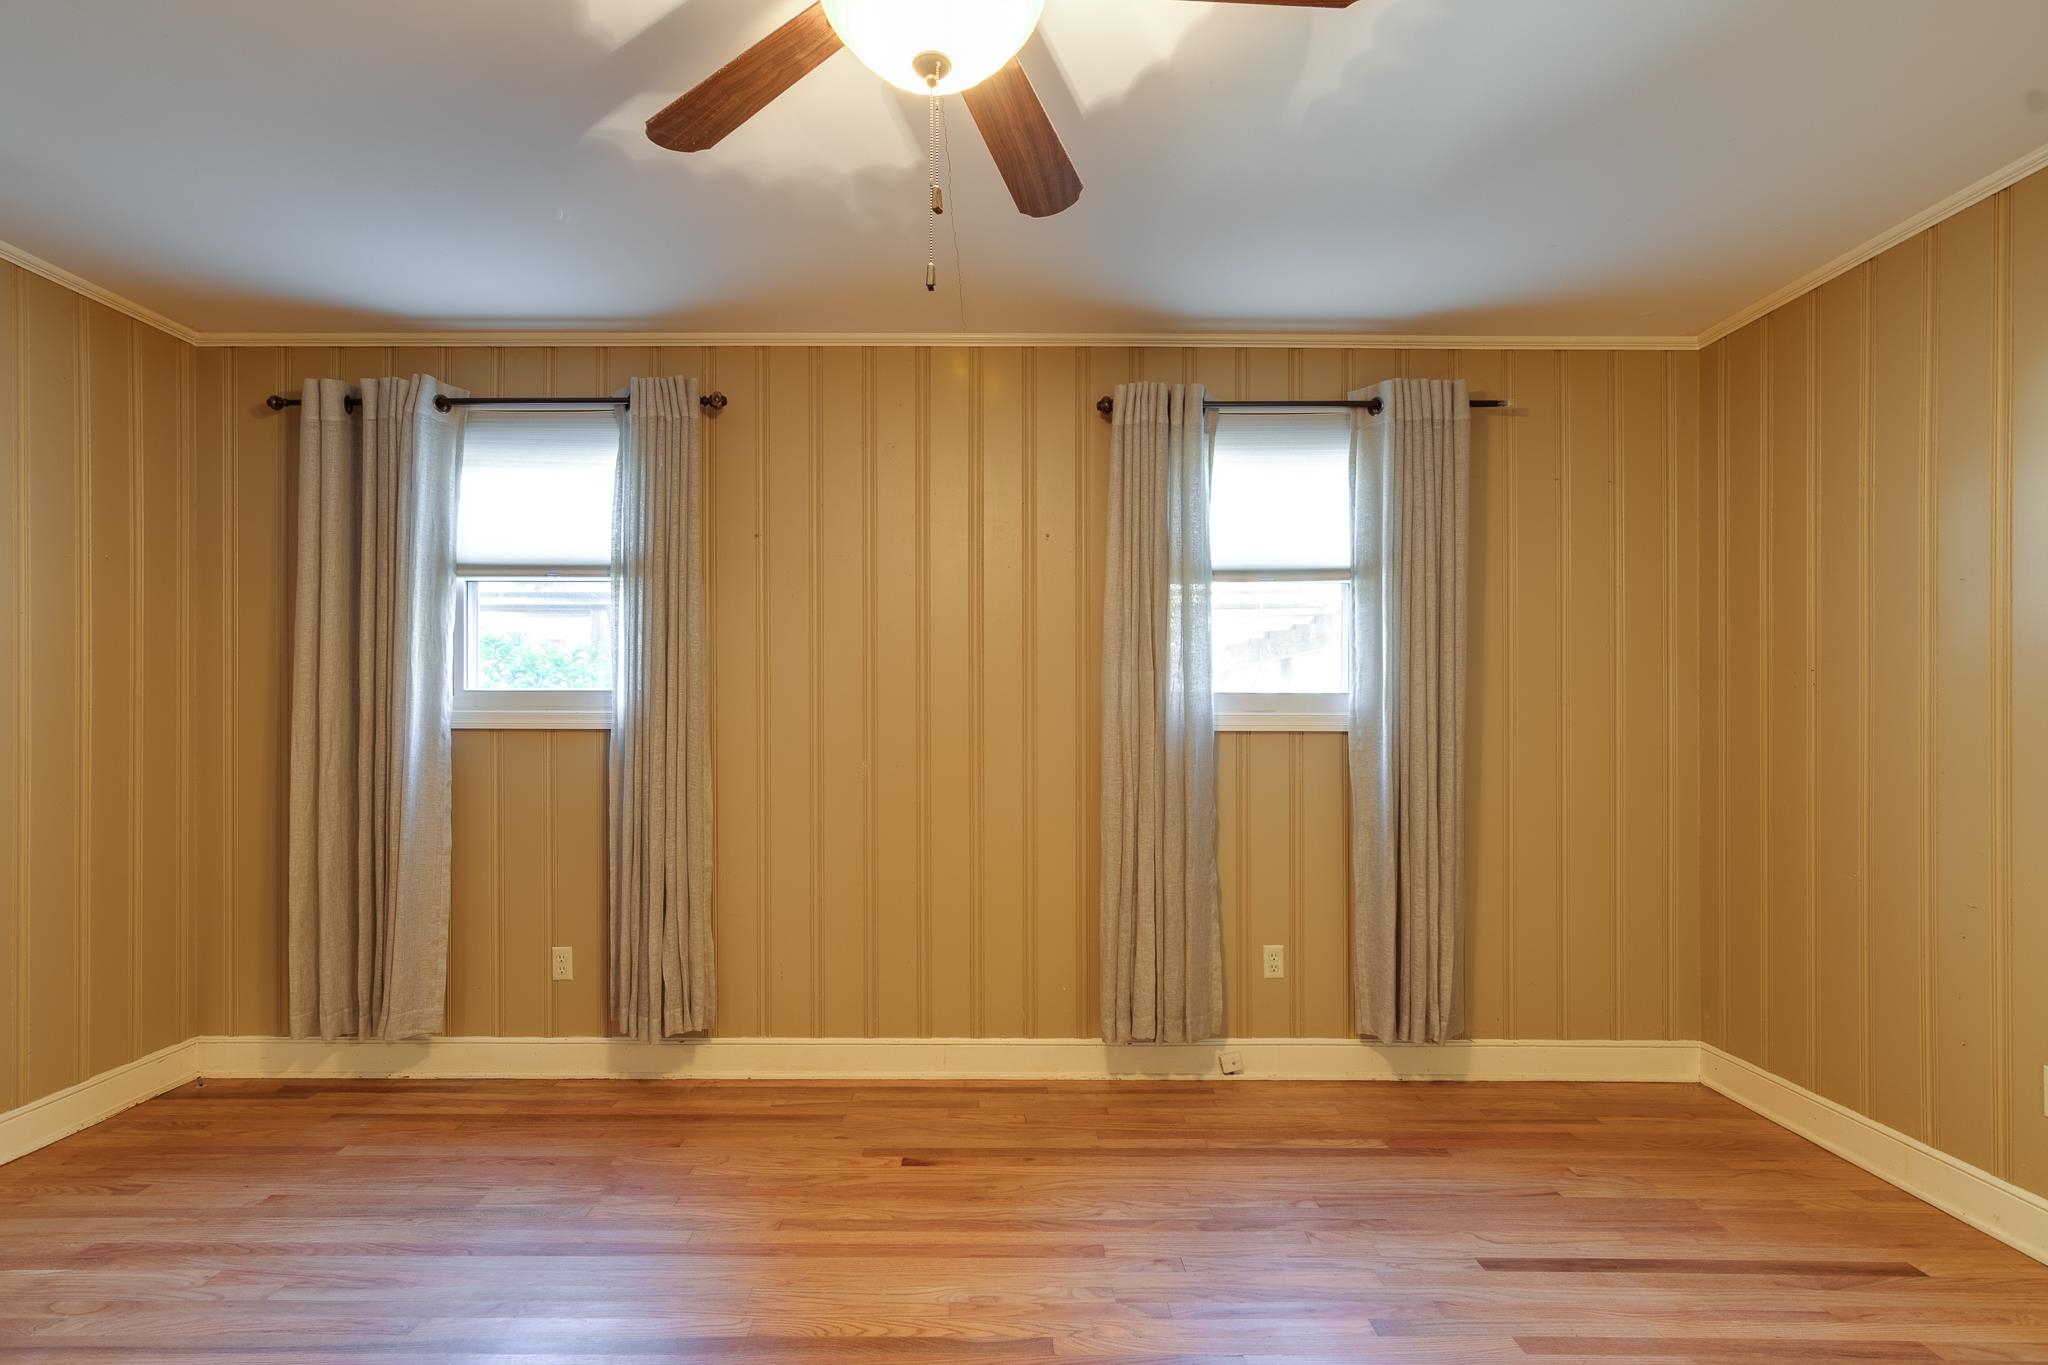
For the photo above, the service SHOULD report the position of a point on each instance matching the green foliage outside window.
(523, 663)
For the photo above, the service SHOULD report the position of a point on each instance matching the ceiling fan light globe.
(975, 36)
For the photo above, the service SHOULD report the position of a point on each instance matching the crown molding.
(78, 284)
(1192, 340)
(2003, 178)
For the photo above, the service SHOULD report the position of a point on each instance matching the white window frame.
(1286, 711)
(1297, 712)
(521, 709)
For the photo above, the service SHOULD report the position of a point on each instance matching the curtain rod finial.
(713, 402)
(1106, 406)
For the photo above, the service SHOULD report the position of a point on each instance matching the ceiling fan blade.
(743, 87)
(1023, 142)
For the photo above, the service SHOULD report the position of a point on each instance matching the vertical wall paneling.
(1645, 756)
(96, 900)
(52, 976)
(1489, 675)
(896, 781)
(1592, 576)
(1685, 533)
(1744, 414)
(737, 553)
(839, 697)
(906, 565)
(1005, 904)
(1960, 1060)
(905, 559)
(949, 700)
(787, 619)
(1900, 378)
(1887, 927)
(525, 874)
(578, 765)
(107, 832)
(1840, 1000)
(1056, 405)
(1536, 702)
(1713, 611)
(159, 882)
(2021, 1037)
(206, 774)
(475, 953)
(259, 643)
(871, 911)
(1787, 684)
(14, 691)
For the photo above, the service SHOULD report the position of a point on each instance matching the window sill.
(531, 720)
(1280, 721)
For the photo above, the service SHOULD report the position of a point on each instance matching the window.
(1280, 541)
(533, 547)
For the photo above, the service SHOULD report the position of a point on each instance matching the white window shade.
(537, 489)
(1280, 491)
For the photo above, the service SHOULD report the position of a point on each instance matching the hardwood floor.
(960, 1222)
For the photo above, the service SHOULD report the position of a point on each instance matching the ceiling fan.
(928, 47)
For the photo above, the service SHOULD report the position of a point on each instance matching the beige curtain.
(1409, 477)
(662, 978)
(367, 866)
(1162, 954)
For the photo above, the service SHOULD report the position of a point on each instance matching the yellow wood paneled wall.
(1875, 496)
(95, 457)
(906, 562)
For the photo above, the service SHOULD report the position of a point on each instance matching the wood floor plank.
(764, 1222)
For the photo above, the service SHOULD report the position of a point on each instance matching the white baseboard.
(964, 1058)
(41, 1122)
(2017, 1217)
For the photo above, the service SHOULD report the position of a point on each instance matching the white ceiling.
(1526, 167)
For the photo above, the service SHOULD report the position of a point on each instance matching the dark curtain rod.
(1107, 405)
(713, 402)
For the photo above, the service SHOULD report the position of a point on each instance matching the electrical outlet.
(562, 963)
(1276, 960)
(1231, 1061)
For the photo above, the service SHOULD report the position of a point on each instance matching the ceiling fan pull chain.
(931, 235)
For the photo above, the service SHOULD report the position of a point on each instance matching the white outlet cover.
(562, 964)
(1231, 1062)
